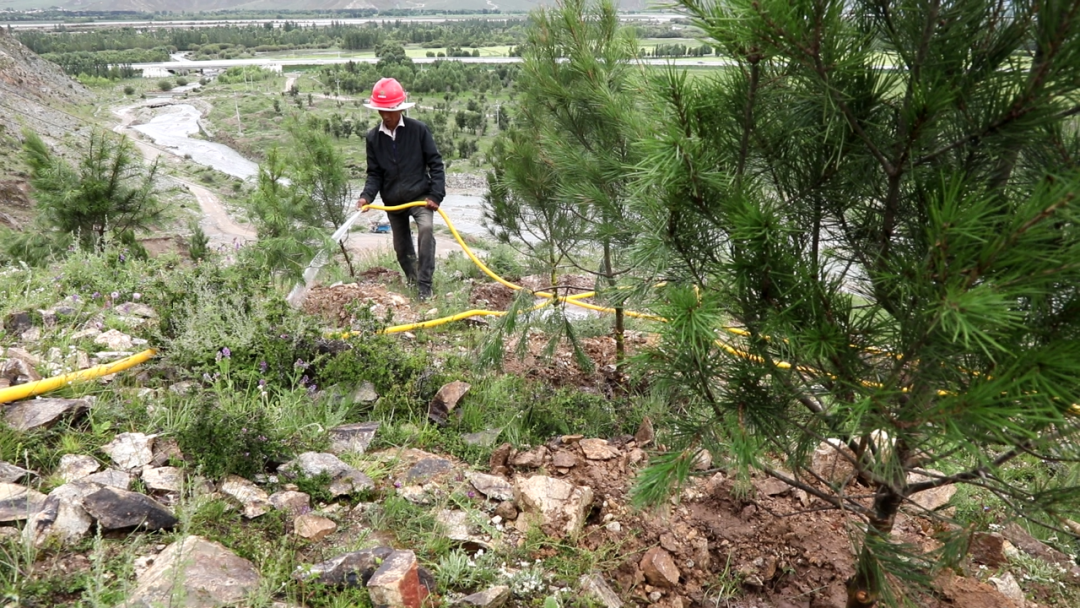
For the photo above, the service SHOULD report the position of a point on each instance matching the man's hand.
(361, 203)
(432, 205)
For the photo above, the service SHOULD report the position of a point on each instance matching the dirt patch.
(156, 246)
(338, 304)
(491, 296)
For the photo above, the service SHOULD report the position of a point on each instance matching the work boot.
(425, 293)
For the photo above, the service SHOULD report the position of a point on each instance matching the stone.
(934, 498)
(702, 461)
(1006, 585)
(771, 486)
(832, 461)
(63, 518)
(343, 478)
(204, 573)
(252, 498)
(10, 473)
(18, 322)
(594, 587)
(495, 597)
(418, 495)
(491, 486)
(500, 457)
(183, 388)
(31, 335)
(130, 450)
(313, 527)
(137, 309)
(506, 510)
(659, 569)
(645, 434)
(76, 466)
(292, 502)
(42, 413)
(988, 549)
(597, 449)
(165, 451)
(1036, 548)
(558, 506)
(446, 400)
(18, 370)
(455, 523)
(396, 583)
(352, 438)
(163, 479)
(113, 478)
(532, 459)
(365, 393)
(349, 570)
(484, 438)
(114, 340)
(427, 468)
(18, 502)
(563, 459)
(115, 509)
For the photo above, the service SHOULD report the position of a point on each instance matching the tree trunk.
(864, 588)
(620, 317)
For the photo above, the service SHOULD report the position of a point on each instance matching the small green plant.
(129, 90)
(199, 243)
(222, 442)
(181, 81)
(165, 85)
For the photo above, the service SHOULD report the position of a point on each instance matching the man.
(405, 166)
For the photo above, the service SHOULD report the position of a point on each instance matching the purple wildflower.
(262, 382)
(311, 389)
(136, 296)
(74, 297)
(97, 294)
(304, 380)
(225, 352)
(123, 258)
(300, 364)
(262, 367)
(115, 295)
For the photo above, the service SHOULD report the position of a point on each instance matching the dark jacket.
(406, 169)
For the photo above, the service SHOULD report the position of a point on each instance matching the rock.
(491, 486)
(18, 322)
(18, 370)
(417, 495)
(532, 459)
(253, 498)
(183, 388)
(313, 527)
(18, 502)
(426, 469)
(112, 478)
(114, 340)
(645, 434)
(343, 478)
(500, 457)
(771, 486)
(597, 449)
(637, 455)
(563, 459)
(63, 518)
(396, 583)
(506, 510)
(31, 335)
(10, 473)
(165, 451)
(352, 569)
(832, 460)
(353, 438)
(456, 524)
(1007, 586)
(37, 413)
(484, 438)
(446, 400)
(163, 479)
(594, 587)
(702, 461)
(76, 466)
(292, 502)
(558, 506)
(988, 549)
(659, 569)
(137, 309)
(203, 573)
(365, 393)
(115, 509)
(494, 597)
(130, 450)
(1036, 548)
(931, 499)
(964, 591)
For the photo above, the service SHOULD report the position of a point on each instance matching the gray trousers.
(403, 244)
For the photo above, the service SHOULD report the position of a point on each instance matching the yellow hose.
(30, 389)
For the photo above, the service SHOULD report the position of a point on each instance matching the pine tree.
(870, 229)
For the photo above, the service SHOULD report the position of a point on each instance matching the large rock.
(1006, 585)
(495, 597)
(37, 413)
(197, 572)
(365, 393)
(832, 461)
(931, 499)
(350, 570)
(18, 502)
(76, 466)
(492, 486)
(396, 583)
(353, 438)
(313, 527)
(343, 478)
(113, 478)
(446, 400)
(558, 506)
(594, 587)
(292, 502)
(114, 340)
(131, 450)
(17, 370)
(427, 468)
(659, 569)
(63, 517)
(1036, 548)
(597, 449)
(988, 549)
(252, 498)
(116, 509)
(10, 473)
(163, 479)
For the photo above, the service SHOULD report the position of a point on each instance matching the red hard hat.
(387, 94)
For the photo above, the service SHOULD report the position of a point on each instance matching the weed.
(222, 442)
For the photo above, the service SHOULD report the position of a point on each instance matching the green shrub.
(222, 442)
(181, 82)
(129, 90)
(165, 85)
